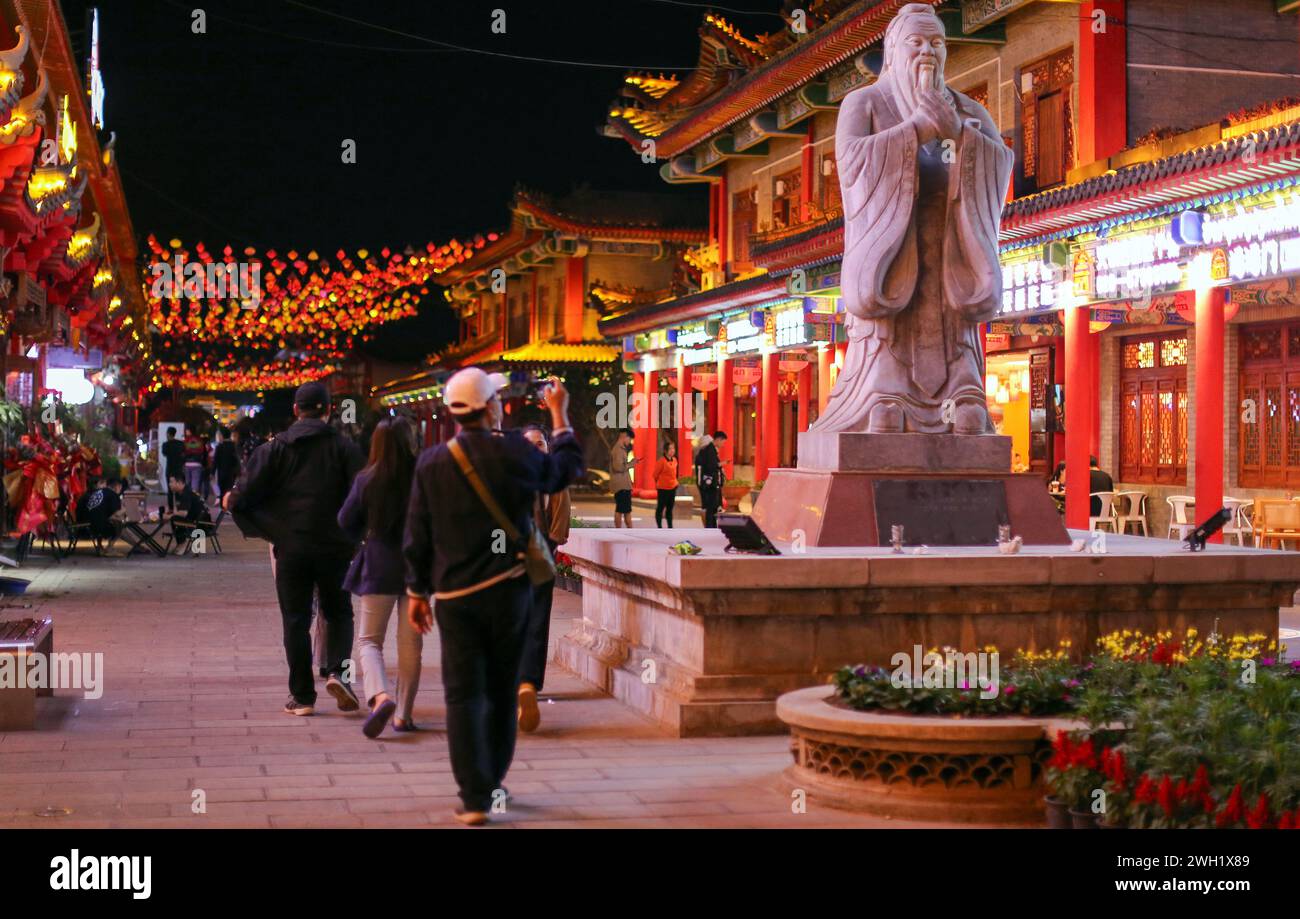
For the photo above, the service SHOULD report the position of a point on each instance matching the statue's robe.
(920, 270)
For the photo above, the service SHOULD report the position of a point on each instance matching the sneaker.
(378, 718)
(294, 707)
(469, 817)
(343, 694)
(529, 716)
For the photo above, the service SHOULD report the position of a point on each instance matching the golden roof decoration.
(28, 113)
(11, 61)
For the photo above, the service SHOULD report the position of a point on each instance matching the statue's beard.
(922, 70)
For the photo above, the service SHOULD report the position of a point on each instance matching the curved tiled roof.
(1199, 172)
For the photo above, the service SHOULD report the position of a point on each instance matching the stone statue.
(924, 174)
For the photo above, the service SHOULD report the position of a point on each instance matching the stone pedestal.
(840, 451)
(705, 644)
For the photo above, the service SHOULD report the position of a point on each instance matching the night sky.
(235, 136)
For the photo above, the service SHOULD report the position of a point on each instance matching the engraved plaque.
(941, 512)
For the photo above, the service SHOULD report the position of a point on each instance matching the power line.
(483, 51)
(714, 6)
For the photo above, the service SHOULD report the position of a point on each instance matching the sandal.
(403, 727)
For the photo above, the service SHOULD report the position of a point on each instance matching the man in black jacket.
(227, 462)
(709, 476)
(290, 493)
(172, 452)
(456, 551)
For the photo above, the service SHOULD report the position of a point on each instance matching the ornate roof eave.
(27, 113)
(849, 33)
(735, 295)
(12, 60)
(1160, 185)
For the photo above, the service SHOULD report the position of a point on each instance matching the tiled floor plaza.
(194, 679)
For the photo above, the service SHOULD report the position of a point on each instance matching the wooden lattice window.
(785, 200)
(979, 94)
(1153, 409)
(1046, 118)
(829, 198)
(743, 211)
(1268, 447)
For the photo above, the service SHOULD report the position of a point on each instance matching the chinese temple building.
(71, 293)
(530, 298)
(1146, 242)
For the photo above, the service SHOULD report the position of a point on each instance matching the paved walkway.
(194, 678)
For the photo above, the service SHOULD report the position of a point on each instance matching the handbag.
(538, 561)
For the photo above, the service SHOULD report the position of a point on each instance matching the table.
(144, 540)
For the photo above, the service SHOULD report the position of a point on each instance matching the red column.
(1058, 377)
(1079, 395)
(801, 399)
(768, 429)
(1209, 403)
(726, 413)
(685, 419)
(724, 226)
(1094, 420)
(808, 175)
(1103, 81)
(533, 319)
(643, 435)
(825, 361)
(575, 293)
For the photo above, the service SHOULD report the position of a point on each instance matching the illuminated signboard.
(790, 328)
(1138, 264)
(743, 335)
(1030, 285)
(95, 79)
(693, 337)
(1259, 242)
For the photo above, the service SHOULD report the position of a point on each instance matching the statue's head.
(916, 51)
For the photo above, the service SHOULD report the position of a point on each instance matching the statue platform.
(705, 644)
(944, 489)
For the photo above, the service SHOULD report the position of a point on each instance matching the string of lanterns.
(219, 319)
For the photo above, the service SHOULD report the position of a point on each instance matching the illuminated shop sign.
(693, 356)
(1031, 285)
(95, 81)
(791, 328)
(743, 335)
(693, 337)
(1257, 243)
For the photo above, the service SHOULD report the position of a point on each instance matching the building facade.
(1130, 194)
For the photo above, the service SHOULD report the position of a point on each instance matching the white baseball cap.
(471, 389)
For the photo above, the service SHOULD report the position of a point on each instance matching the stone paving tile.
(193, 679)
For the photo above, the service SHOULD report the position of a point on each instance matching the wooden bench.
(19, 638)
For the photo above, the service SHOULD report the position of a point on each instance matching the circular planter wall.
(917, 767)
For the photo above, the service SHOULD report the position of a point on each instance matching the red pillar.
(685, 419)
(533, 318)
(575, 293)
(1094, 420)
(1058, 377)
(726, 413)
(802, 400)
(825, 361)
(643, 436)
(724, 226)
(1079, 396)
(1103, 81)
(768, 429)
(1209, 403)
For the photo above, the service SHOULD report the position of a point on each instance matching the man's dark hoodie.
(292, 488)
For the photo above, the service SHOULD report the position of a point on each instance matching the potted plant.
(1074, 776)
(566, 575)
(687, 485)
(735, 489)
(753, 493)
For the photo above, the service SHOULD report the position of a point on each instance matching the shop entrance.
(1018, 386)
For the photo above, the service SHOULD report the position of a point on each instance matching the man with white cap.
(458, 553)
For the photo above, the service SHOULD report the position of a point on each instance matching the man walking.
(290, 493)
(173, 459)
(227, 462)
(473, 565)
(709, 475)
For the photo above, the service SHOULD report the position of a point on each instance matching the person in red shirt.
(666, 485)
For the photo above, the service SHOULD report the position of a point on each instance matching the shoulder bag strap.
(466, 467)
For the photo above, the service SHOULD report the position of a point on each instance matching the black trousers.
(664, 506)
(482, 640)
(297, 576)
(710, 499)
(532, 664)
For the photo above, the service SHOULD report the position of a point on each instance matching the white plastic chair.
(1180, 522)
(1240, 526)
(1131, 510)
(1106, 517)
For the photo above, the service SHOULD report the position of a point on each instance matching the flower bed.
(1164, 731)
(1209, 735)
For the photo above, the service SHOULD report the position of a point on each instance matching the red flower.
(1146, 790)
(1199, 790)
(1062, 752)
(1233, 811)
(1168, 801)
(1287, 822)
(1258, 818)
(1084, 755)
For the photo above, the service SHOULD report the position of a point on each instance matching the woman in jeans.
(376, 511)
(666, 484)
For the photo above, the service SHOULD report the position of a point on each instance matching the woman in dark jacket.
(375, 510)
